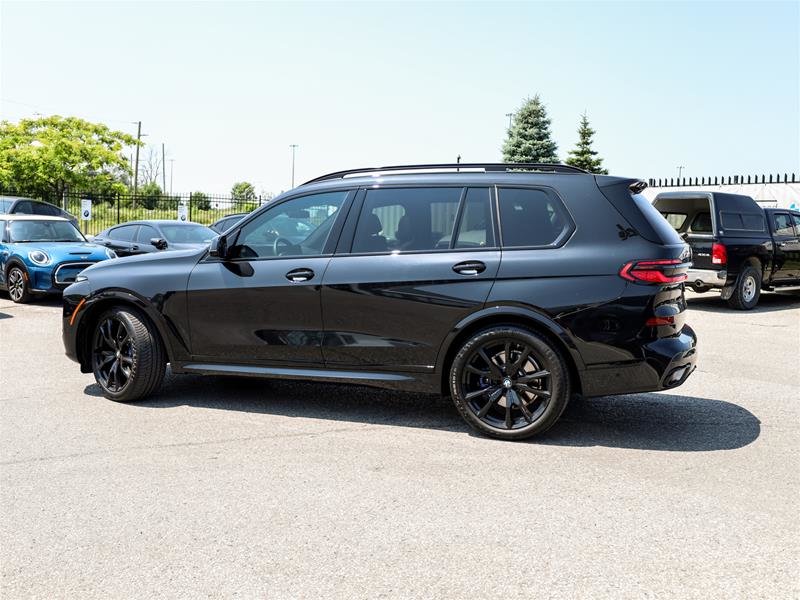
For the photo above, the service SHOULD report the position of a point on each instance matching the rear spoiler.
(637, 187)
(620, 191)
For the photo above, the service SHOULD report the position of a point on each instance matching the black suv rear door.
(411, 263)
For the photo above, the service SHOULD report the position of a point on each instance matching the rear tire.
(128, 359)
(509, 383)
(747, 289)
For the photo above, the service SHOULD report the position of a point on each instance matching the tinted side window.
(297, 227)
(531, 217)
(475, 227)
(126, 233)
(407, 219)
(23, 207)
(146, 233)
(796, 220)
(783, 224)
(742, 221)
(41, 208)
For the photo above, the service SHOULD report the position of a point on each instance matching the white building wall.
(781, 195)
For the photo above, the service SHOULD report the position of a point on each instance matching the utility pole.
(163, 169)
(136, 168)
(680, 170)
(171, 169)
(509, 115)
(293, 147)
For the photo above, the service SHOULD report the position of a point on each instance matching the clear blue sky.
(228, 86)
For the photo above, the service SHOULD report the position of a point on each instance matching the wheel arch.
(510, 315)
(105, 302)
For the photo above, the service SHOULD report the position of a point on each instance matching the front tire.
(128, 359)
(17, 285)
(509, 383)
(747, 289)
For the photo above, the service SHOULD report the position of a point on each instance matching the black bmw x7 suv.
(509, 287)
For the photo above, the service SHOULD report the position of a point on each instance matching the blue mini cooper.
(43, 255)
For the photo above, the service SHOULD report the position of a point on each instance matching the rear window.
(702, 223)
(663, 229)
(742, 221)
(675, 219)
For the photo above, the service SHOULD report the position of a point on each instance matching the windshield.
(44, 231)
(187, 234)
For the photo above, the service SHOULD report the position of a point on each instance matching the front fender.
(78, 321)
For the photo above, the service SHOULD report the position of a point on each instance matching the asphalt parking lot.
(222, 487)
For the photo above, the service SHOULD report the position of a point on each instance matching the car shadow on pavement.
(768, 302)
(650, 421)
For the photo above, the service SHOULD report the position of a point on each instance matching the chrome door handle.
(298, 275)
(469, 267)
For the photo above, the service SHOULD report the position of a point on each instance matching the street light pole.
(294, 148)
(509, 115)
(680, 170)
(171, 169)
(136, 168)
(163, 169)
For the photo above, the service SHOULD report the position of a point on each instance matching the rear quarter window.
(532, 217)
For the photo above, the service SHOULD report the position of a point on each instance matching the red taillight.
(719, 254)
(653, 271)
(658, 321)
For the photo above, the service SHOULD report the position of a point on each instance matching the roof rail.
(487, 167)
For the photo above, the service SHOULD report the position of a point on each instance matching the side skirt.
(410, 382)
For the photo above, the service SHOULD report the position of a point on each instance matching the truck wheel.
(747, 289)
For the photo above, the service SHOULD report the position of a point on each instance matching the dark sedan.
(15, 205)
(142, 237)
(227, 222)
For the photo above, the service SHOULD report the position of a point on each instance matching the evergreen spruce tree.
(583, 156)
(529, 135)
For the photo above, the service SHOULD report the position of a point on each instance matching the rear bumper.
(666, 363)
(706, 278)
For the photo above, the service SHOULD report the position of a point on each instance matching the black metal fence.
(112, 209)
(725, 180)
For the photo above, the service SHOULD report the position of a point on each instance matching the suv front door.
(412, 262)
(261, 304)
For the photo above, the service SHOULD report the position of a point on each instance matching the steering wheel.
(280, 241)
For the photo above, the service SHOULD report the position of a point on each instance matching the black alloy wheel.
(128, 360)
(509, 382)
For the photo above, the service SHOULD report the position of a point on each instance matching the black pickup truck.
(737, 246)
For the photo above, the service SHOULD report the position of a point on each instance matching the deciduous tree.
(243, 191)
(43, 157)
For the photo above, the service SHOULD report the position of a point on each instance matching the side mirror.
(159, 243)
(218, 247)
